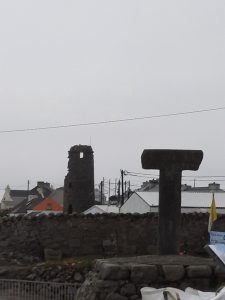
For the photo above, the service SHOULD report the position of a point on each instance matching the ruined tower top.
(80, 159)
(81, 148)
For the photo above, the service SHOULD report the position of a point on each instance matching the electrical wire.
(113, 121)
(185, 176)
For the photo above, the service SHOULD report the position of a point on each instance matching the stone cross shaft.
(171, 163)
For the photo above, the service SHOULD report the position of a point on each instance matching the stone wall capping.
(141, 273)
(109, 271)
(173, 272)
(195, 271)
(151, 270)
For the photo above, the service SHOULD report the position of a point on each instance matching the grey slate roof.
(19, 193)
(33, 198)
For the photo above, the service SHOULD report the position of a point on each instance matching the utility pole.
(128, 192)
(109, 188)
(118, 191)
(101, 192)
(122, 185)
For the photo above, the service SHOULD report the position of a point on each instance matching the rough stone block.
(52, 254)
(173, 272)
(75, 243)
(144, 273)
(78, 277)
(113, 272)
(107, 243)
(107, 285)
(116, 296)
(128, 289)
(3, 271)
(199, 271)
(219, 272)
(134, 297)
(105, 288)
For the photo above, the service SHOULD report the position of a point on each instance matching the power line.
(197, 180)
(185, 176)
(113, 121)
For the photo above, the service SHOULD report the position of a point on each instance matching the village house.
(193, 199)
(102, 209)
(13, 198)
(146, 199)
(44, 202)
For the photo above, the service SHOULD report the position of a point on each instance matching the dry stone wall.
(101, 235)
(122, 278)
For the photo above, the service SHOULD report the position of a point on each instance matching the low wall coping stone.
(199, 271)
(143, 273)
(173, 272)
(113, 272)
(184, 260)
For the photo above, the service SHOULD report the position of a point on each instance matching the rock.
(56, 280)
(173, 272)
(113, 272)
(31, 277)
(52, 254)
(134, 297)
(143, 273)
(88, 289)
(108, 286)
(199, 271)
(78, 277)
(116, 297)
(219, 272)
(3, 271)
(128, 289)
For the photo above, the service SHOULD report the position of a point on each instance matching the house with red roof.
(52, 204)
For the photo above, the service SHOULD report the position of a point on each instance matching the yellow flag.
(213, 214)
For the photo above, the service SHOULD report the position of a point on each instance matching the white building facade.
(144, 202)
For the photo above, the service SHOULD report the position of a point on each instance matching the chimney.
(42, 184)
(214, 186)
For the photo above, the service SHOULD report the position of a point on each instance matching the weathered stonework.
(79, 182)
(173, 272)
(113, 272)
(171, 163)
(155, 271)
(199, 271)
(141, 273)
(26, 238)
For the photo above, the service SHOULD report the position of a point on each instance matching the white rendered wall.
(135, 204)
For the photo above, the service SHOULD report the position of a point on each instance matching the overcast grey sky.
(67, 62)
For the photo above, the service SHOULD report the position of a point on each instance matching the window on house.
(81, 154)
(49, 206)
(70, 184)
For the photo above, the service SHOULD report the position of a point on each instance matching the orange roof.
(48, 204)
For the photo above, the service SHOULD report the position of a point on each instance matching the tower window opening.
(81, 154)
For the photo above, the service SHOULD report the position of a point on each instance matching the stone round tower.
(79, 182)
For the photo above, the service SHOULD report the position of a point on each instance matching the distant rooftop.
(153, 186)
